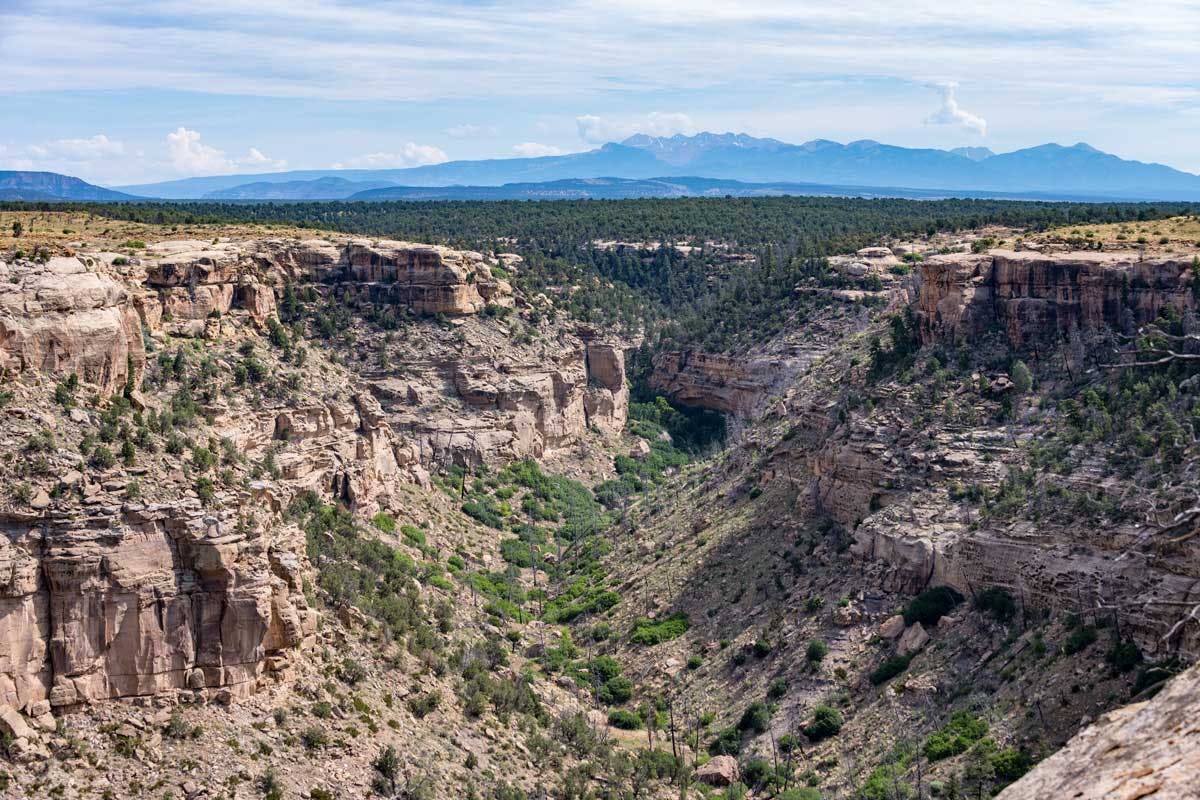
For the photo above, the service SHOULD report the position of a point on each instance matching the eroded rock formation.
(1029, 294)
(143, 599)
(103, 596)
(65, 317)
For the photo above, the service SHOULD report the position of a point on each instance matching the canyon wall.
(103, 596)
(1029, 294)
(898, 485)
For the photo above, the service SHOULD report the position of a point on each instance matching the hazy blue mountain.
(973, 153)
(46, 186)
(318, 189)
(1077, 171)
(627, 188)
(593, 188)
(611, 159)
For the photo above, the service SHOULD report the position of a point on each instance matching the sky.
(122, 91)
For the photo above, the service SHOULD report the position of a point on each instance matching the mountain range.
(642, 166)
(51, 186)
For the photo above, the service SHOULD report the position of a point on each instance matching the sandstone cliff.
(1030, 295)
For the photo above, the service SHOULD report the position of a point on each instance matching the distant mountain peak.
(973, 153)
(682, 149)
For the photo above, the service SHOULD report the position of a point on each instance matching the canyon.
(417, 390)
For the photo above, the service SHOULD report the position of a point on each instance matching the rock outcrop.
(1029, 294)
(427, 279)
(1149, 749)
(103, 596)
(65, 317)
(139, 600)
(508, 409)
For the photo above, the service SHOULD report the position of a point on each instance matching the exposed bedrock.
(1030, 295)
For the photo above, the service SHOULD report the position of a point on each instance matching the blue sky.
(119, 91)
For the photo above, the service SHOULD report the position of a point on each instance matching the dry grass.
(64, 232)
(1173, 235)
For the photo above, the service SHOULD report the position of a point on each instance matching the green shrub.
(421, 705)
(652, 632)
(314, 738)
(615, 691)
(931, 605)
(997, 602)
(1123, 656)
(728, 742)
(352, 672)
(1080, 639)
(962, 731)
(384, 522)
(102, 458)
(816, 652)
(413, 534)
(890, 668)
(1009, 765)
(777, 689)
(757, 772)
(756, 718)
(826, 722)
(625, 720)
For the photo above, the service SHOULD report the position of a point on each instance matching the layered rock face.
(140, 600)
(428, 279)
(900, 483)
(1030, 294)
(1148, 749)
(64, 317)
(507, 408)
(738, 385)
(102, 597)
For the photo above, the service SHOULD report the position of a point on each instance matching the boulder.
(913, 639)
(892, 627)
(13, 724)
(720, 771)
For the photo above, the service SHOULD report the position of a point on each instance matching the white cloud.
(536, 149)
(190, 157)
(256, 160)
(410, 155)
(468, 131)
(952, 114)
(90, 149)
(599, 130)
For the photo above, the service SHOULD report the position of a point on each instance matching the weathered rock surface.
(737, 385)
(474, 410)
(428, 279)
(64, 317)
(1149, 749)
(912, 640)
(1029, 294)
(720, 771)
(119, 602)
